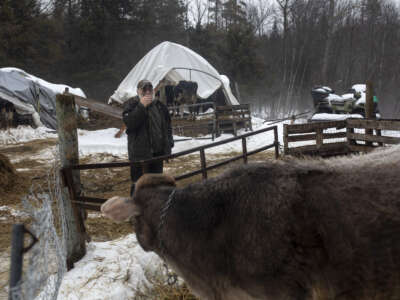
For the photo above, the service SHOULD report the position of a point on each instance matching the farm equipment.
(353, 102)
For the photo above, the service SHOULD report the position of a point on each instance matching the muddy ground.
(32, 162)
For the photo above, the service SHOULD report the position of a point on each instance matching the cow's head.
(151, 193)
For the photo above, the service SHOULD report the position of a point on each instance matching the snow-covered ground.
(91, 142)
(110, 270)
(23, 134)
(103, 141)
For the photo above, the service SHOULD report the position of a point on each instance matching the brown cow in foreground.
(300, 229)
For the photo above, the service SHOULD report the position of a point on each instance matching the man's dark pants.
(137, 171)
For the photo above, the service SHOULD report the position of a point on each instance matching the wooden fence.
(339, 137)
(232, 117)
(372, 136)
(227, 118)
(93, 203)
(314, 132)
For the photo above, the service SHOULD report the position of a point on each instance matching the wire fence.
(46, 263)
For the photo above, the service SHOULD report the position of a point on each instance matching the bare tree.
(259, 12)
(198, 11)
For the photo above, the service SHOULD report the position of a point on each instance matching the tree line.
(275, 50)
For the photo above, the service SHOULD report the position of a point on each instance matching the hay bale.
(8, 174)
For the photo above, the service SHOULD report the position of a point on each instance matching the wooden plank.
(374, 124)
(276, 143)
(303, 137)
(369, 105)
(223, 108)
(373, 138)
(311, 127)
(379, 133)
(94, 105)
(313, 136)
(223, 121)
(319, 139)
(203, 163)
(315, 149)
(349, 141)
(334, 135)
(361, 148)
(244, 149)
(87, 205)
(241, 106)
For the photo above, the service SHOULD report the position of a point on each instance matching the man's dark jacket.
(143, 136)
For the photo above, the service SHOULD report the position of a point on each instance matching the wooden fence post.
(203, 163)
(285, 139)
(69, 155)
(276, 142)
(319, 139)
(244, 148)
(369, 106)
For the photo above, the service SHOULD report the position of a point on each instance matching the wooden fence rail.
(93, 203)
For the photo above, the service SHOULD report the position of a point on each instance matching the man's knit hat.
(144, 82)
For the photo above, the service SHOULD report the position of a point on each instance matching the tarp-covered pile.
(174, 62)
(32, 95)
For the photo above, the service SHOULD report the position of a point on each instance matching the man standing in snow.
(148, 127)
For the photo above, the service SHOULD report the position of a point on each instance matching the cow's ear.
(154, 180)
(120, 209)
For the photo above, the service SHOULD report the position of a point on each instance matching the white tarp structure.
(174, 62)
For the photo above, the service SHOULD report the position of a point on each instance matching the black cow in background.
(7, 112)
(185, 92)
(169, 93)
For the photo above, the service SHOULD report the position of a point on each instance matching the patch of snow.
(101, 141)
(94, 215)
(334, 117)
(109, 270)
(23, 134)
(333, 97)
(348, 96)
(391, 133)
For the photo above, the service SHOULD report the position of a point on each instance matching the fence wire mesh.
(46, 263)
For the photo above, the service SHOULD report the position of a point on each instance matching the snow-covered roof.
(56, 88)
(173, 62)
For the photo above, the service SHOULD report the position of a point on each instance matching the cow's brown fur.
(282, 230)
